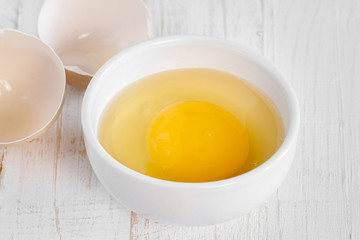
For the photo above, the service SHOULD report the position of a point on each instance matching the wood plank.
(47, 187)
(303, 41)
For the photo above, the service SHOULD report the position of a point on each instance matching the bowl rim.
(56, 114)
(289, 140)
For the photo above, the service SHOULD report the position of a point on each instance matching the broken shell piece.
(85, 34)
(32, 87)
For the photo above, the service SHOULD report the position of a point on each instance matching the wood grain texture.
(47, 187)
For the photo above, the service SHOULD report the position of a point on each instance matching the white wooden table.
(47, 187)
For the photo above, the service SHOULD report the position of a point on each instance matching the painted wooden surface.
(47, 187)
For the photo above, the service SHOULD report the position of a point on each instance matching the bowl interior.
(160, 55)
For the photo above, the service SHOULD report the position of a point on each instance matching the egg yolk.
(195, 141)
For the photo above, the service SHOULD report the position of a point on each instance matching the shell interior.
(32, 87)
(85, 34)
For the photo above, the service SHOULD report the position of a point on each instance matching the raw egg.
(193, 137)
(32, 87)
(191, 125)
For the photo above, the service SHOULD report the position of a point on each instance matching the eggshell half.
(85, 34)
(32, 87)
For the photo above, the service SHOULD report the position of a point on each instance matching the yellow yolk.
(196, 141)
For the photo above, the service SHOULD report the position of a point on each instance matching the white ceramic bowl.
(189, 203)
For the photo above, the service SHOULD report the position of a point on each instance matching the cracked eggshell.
(32, 87)
(85, 34)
